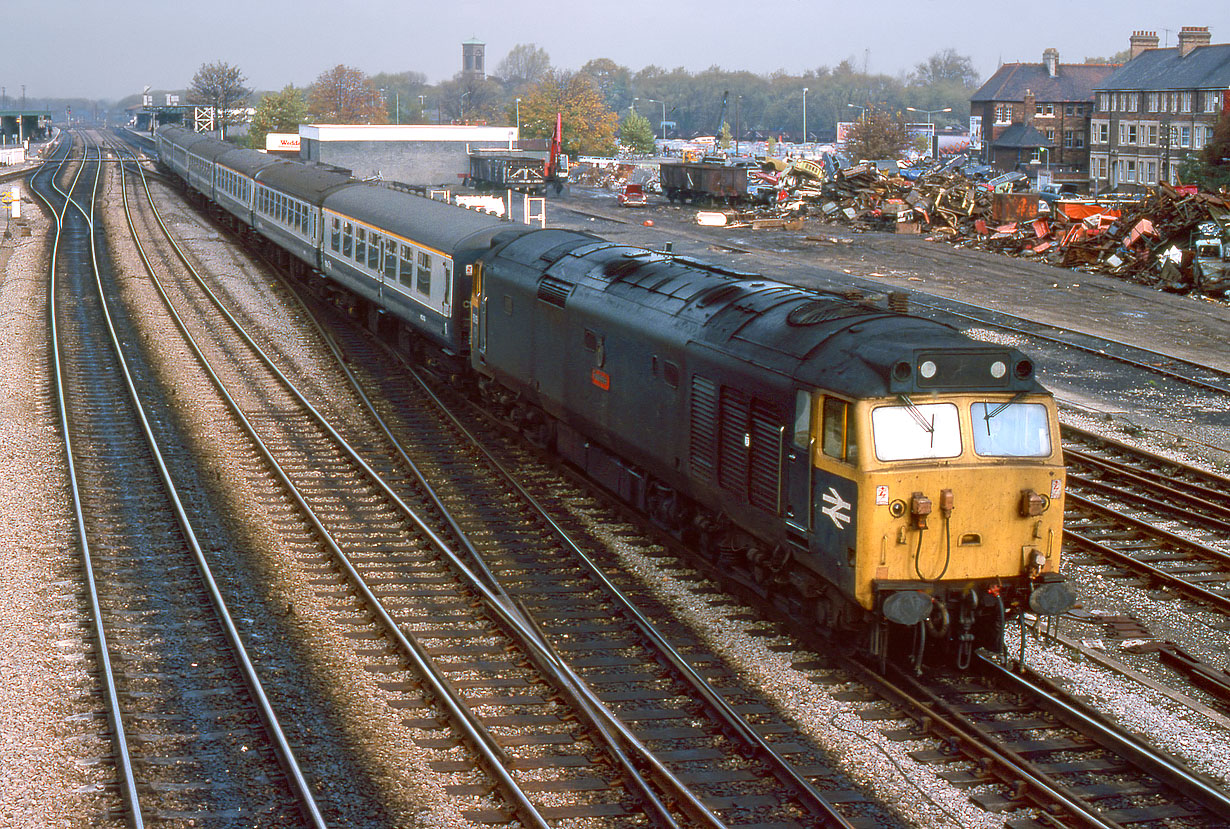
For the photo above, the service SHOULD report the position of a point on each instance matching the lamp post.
(862, 111)
(804, 139)
(634, 100)
(397, 107)
(462, 104)
(932, 149)
(738, 98)
(518, 119)
(930, 112)
(384, 103)
(663, 103)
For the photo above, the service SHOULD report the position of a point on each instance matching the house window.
(1131, 101)
(1036, 155)
(1185, 136)
(1104, 101)
(1003, 114)
(1050, 109)
(1050, 135)
(1101, 132)
(1078, 140)
(1148, 172)
(1212, 100)
(1037, 109)
(1068, 109)
(1131, 134)
(1067, 139)
(1151, 135)
(1129, 170)
(1187, 101)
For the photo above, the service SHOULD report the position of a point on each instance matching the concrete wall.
(422, 155)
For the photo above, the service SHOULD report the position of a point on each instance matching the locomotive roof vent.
(824, 310)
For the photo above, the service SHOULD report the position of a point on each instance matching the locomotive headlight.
(998, 369)
(927, 369)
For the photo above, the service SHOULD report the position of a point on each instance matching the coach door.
(797, 456)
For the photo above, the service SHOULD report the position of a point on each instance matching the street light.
(634, 100)
(804, 141)
(663, 103)
(933, 149)
(862, 111)
(518, 119)
(462, 104)
(930, 112)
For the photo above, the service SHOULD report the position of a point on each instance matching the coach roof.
(434, 224)
(303, 181)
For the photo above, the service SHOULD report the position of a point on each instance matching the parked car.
(633, 195)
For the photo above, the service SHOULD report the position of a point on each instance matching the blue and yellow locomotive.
(857, 466)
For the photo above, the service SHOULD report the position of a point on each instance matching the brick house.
(1160, 107)
(1034, 115)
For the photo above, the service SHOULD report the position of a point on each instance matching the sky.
(108, 49)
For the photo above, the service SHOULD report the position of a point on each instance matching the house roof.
(1073, 82)
(1204, 67)
(1023, 136)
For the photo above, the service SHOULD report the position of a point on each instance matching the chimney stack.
(1192, 36)
(1029, 107)
(1142, 42)
(1050, 59)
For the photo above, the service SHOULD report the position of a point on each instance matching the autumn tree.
(524, 65)
(613, 81)
(220, 87)
(401, 95)
(636, 133)
(589, 125)
(945, 67)
(880, 135)
(278, 112)
(345, 95)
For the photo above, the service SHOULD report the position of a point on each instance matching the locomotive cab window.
(837, 430)
(1011, 430)
(916, 431)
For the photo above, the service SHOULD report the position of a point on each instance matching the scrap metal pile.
(1152, 240)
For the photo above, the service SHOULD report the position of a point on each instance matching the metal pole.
(804, 138)
(663, 103)
(397, 107)
(518, 119)
(738, 98)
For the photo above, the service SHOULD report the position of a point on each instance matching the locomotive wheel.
(538, 429)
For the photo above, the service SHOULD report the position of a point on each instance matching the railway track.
(191, 731)
(1014, 740)
(1162, 520)
(487, 628)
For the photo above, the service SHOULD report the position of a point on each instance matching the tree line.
(600, 98)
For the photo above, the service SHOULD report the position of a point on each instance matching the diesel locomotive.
(859, 467)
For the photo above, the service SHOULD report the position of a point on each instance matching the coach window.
(347, 239)
(423, 285)
(406, 275)
(335, 234)
(390, 260)
(360, 245)
(838, 431)
(373, 252)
